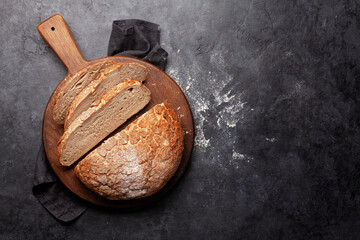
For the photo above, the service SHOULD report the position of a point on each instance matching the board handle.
(57, 35)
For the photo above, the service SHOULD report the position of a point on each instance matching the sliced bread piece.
(138, 161)
(73, 87)
(108, 78)
(102, 118)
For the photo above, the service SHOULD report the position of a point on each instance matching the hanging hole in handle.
(52, 29)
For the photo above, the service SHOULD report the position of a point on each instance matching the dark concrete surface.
(274, 87)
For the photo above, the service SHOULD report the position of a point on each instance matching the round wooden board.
(163, 89)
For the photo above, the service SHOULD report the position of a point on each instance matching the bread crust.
(92, 87)
(60, 114)
(138, 161)
(81, 120)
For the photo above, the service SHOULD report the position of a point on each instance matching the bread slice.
(73, 87)
(102, 118)
(108, 78)
(138, 161)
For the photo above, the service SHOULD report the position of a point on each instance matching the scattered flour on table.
(238, 156)
(238, 159)
(174, 74)
(270, 139)
(232, 112)
(233, 108)
(200, 105)
(215, 96)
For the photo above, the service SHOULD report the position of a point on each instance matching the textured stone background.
(274, 87)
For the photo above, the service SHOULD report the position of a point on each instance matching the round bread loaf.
(137, 161)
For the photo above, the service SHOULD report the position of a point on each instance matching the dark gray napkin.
(52, 194)
(132, 38)
(139, 39)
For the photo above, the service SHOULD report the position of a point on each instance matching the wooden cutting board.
(162, 87)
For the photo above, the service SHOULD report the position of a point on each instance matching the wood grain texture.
(56, 33)
(163, 89)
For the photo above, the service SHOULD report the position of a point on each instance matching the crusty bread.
(73, 86)
(103, 117)
(138, 161)
(107, 78)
